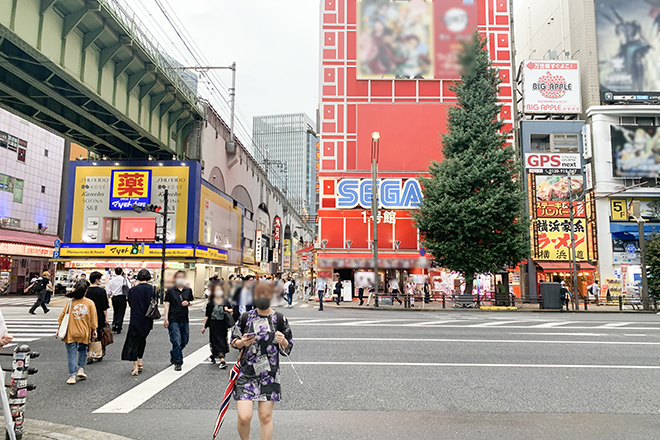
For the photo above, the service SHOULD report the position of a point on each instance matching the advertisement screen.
(628, 49)
(412, 40)
(635, 151)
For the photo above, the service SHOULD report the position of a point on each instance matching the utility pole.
(375, 149)
(164, 241)
(637, 215)
(574, 259)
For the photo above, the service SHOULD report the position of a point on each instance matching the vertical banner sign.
(286, 254)
(277, 229)
(624, 278)
(257, 246)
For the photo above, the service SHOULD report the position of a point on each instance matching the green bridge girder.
(88, 71)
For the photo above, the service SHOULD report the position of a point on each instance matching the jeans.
(179, 334)
(76, 356)
(119, 307)
(289, 298)
(320, 299)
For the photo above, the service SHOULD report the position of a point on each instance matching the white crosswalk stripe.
(17, 301)
(28, 330)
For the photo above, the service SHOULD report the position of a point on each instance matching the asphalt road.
(371, 374)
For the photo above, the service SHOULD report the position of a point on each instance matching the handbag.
(152, 311)
(125, 288)
(106, 336)
(64, 325)
(95, 350)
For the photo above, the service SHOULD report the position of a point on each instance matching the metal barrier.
(18, 388)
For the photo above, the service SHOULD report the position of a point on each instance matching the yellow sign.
(619, 209)
(124, 250)
(129, 187)
(553, 239)
(209, 253)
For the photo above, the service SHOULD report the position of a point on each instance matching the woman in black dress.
(217, 319)
(139, 298)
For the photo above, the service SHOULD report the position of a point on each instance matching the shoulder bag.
(64, 325)
(125, 287)
(152, 311)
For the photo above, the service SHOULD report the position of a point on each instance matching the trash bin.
(551, 296)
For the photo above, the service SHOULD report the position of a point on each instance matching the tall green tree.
(472, 218)
(653, 264)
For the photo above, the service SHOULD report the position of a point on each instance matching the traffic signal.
(154, 208)
(138, 208)
(136, 249)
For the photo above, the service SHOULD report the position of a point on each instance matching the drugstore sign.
(392, 193)
(129, 187)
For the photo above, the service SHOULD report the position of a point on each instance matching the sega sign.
(548, 161)
(392, 193)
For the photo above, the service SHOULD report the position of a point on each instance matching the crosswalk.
(28, 330)
(17, 301)
(537, 324)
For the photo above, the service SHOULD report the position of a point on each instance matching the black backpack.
(292, 287)
(40, 285)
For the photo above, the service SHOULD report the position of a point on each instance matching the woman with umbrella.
(262, 334)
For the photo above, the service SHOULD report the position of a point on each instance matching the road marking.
(432, 323)
(635, 334)
(559, 334)
(135, 397)
(303, 306)
(553, 324)
(480, 341)
(614, 324)
(494, 324)
(464, 365)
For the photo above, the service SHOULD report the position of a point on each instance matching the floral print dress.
(259, 377)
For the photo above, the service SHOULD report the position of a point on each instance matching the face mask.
(180, 282)
(262, 303)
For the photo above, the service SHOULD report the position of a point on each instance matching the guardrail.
(140, 33)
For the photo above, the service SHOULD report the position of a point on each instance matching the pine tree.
(653, 264)
(472, 217)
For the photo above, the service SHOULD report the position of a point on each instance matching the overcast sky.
(274, 43)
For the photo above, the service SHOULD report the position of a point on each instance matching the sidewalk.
(38, 430)
(485, 307)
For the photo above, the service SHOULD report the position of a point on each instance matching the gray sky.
(275, 45)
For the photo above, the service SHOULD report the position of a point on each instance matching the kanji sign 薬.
(553, 239)
(130, 187)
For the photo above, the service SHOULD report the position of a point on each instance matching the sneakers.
(177, 367)
(223, 365)
(71, 380)
(81, 374)
(212, 359)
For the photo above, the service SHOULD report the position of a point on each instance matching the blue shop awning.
(630, 231)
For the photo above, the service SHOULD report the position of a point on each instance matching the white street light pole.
(375, 152)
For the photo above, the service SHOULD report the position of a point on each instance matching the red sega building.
(387, 67)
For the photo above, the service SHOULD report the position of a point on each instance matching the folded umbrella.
(233, 376)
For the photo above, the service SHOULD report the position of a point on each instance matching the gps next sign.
(552, 163)
(551, 87)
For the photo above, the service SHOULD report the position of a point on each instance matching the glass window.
(43, 189)
(565, 143)
(540, 143)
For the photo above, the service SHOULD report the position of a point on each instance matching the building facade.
(285, 146)
(620, 94)
(363, 91)
(31, 160)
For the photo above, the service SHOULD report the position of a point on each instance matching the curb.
(39, 430)
(470, 309)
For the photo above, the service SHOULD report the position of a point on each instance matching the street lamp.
(574, 275)
(375, 153)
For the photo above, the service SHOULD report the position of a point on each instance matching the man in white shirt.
(117, 288)
(320, 289)
(245, 298)
(595, 291)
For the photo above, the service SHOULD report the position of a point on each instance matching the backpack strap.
(280, 322)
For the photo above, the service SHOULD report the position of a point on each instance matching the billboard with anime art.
(412, 40)
(629, 50)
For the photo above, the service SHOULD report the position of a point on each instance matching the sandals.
(134, 373)
(140, 368)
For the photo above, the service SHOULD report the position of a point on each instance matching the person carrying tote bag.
(78, 322)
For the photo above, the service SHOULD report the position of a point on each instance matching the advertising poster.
(556, 187)
(89, 213)
(628, 49)
(412, 40)
(635, 151)
(221, 223)
(551, 87)
(286, 254)
(554, 239)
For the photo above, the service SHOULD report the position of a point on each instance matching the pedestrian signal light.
(136, 249)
